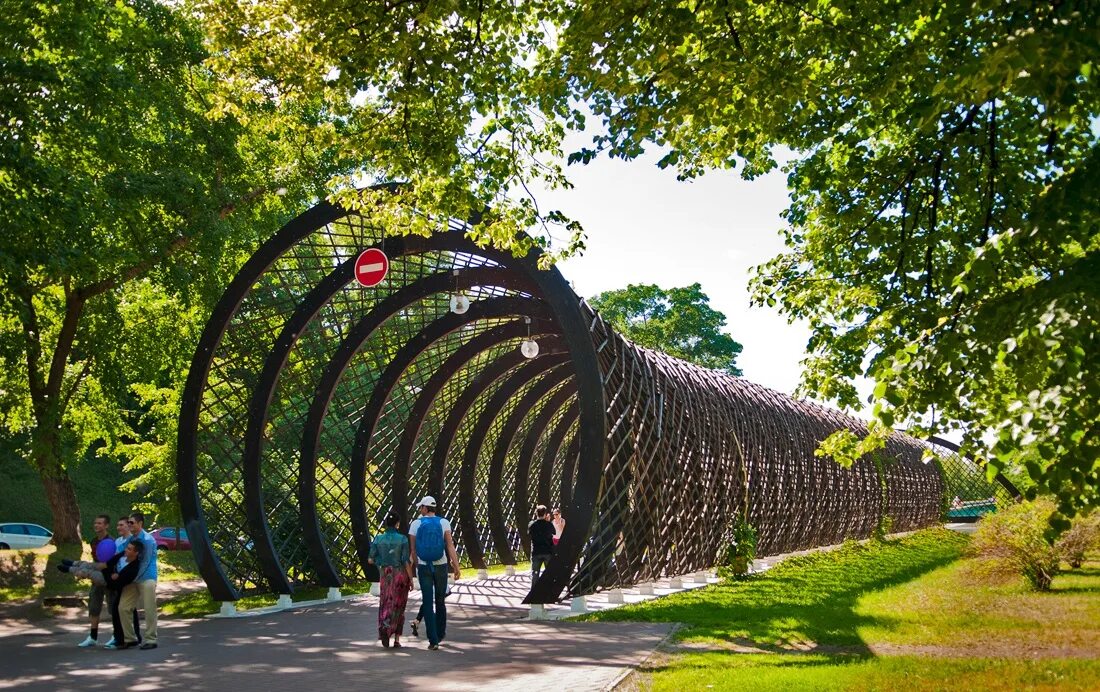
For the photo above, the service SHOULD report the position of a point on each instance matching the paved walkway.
(490, 646)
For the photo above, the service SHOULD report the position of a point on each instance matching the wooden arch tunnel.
(314, 406)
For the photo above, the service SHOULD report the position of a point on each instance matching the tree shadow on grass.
(804, 604)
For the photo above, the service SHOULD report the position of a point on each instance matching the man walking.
(103, 549)
(541, 531)
(433, 549)
(144, 588)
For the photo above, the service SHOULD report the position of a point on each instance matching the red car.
(171, 539)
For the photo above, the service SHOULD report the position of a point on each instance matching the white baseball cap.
(428, 501)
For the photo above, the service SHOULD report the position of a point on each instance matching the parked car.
(169, 539)
(23, 536)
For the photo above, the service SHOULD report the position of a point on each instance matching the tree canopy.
(677, 321)
(943, 230)
(943, 235)
(126, 200)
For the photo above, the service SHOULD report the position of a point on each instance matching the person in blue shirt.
(390, 553)
(144, 588)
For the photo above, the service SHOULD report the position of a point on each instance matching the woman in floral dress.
(390, 552)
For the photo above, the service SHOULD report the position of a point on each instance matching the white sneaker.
(87, 642)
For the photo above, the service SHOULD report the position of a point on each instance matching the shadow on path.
(335, 647)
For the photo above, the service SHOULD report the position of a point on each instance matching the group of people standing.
(123, 572)
(428, 552)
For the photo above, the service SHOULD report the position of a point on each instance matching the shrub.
(884, 528)
(1082, 536)
(1012, 542)
(741, 551)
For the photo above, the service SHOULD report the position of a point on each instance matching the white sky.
(644, 226)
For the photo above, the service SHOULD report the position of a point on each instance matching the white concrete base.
(538, 612)
(376, 589)
(483, 574)
(284, 601)
(579, 605)
(510, 570)
(702, 578)
(228, 609)
(645, 589)
(675, 583)
(333, 594)
(615, 596)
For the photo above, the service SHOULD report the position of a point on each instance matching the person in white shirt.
(433, 551)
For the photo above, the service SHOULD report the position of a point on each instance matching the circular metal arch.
(238, 404)
(314, 406)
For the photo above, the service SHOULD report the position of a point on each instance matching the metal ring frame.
(314, 406)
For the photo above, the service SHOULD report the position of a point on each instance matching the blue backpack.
(429, 539)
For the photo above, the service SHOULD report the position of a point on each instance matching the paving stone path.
(490, 646)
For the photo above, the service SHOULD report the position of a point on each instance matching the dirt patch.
(1029, 650)
(746, 646)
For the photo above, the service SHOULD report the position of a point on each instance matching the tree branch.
(133, 271)
(76, 384)
(29, 318)
(178, 244)
(74, 307)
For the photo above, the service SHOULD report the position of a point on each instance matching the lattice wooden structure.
(314, 406)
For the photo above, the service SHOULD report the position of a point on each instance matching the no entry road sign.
(371, 267)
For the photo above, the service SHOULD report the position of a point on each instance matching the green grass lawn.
(875, 616)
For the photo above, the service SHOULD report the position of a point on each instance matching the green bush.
(740, 552)
(1012, 542)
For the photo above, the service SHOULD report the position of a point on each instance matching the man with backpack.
(433, 550)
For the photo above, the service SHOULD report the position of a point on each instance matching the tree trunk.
(60, 494)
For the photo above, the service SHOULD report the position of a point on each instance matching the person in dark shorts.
(541, 532)
(103, 548)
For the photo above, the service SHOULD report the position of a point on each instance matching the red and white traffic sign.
(371, 267)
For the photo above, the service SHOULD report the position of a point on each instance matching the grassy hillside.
(96, 481)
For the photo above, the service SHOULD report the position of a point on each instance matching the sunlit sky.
(644, 226)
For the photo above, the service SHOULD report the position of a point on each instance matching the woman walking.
(390, 552)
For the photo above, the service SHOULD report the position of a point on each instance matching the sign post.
(371, 267)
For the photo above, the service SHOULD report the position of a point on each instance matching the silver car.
(18, 536)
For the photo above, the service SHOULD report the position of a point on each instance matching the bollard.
(228, 609)
(510, 571)
(645, 589)
(579, 605)
(284, 601)
(333, 594)
(615, 596)
(702, 578)
(376, 589)
(538, 612)
(675, 583)
(483, 574)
